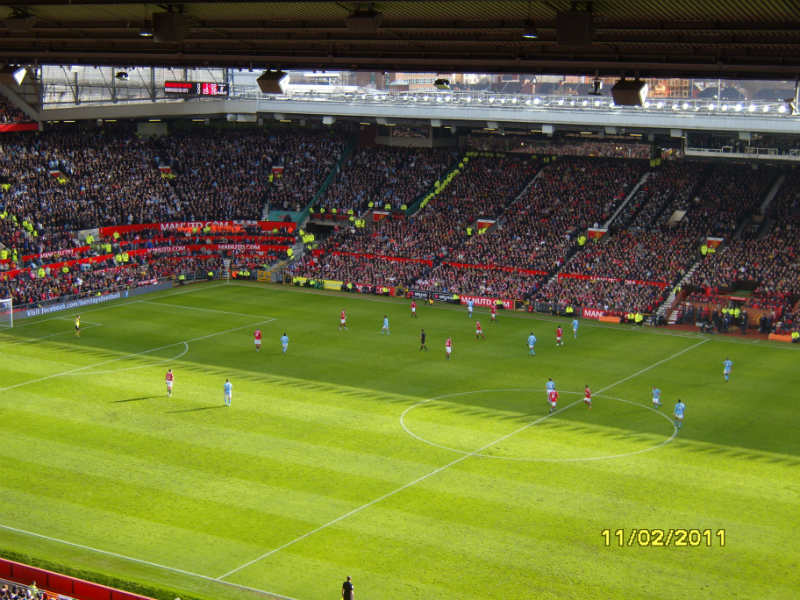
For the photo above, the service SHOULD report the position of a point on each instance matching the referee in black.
(422, 345)
(347, 589)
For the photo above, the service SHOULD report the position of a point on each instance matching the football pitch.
(357, 453)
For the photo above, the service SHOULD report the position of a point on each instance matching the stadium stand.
(387, 177)
(510, 225)
(10, 113)
(71, 179)
(768, 266)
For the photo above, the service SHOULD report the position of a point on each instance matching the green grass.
(315, 469)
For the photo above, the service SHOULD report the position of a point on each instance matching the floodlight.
(19, 75)
(529, 32)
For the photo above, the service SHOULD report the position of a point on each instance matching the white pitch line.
(146, 562)
(200, 308)
(131, 355)
(653, 366)
(119, 303)
(664, 442)
(447, 466)
(44, 337)
(387, 495)
(658, 331)
(178, 356)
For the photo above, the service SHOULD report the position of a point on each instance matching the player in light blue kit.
(656, 397)
(228, 387)
(284, 342)
(678, 412)
(575, 328)
(550, 387)
(726, 368)
(470, 306)
(531, 344)
(385, 328)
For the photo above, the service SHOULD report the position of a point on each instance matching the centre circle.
(514, 424)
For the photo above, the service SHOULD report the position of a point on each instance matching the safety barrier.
(62, 584)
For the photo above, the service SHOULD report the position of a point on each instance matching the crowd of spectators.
(385, 176)
(670, 185)
(67, 179)
(644, 256)
(493, 283)
(10, 113)
(72, 178)
(726, 194)
(29, 288)
(538, 228)
(482, 189)
(610, 296)
(559, 146)
(11, 591)
(360, 270)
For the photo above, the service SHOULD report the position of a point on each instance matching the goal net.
(6, 313)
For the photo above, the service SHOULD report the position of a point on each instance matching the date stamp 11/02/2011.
(664, 538)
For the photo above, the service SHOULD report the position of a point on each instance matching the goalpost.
(6, 312)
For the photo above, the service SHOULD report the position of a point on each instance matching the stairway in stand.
(667, 305)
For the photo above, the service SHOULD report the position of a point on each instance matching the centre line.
(452, 463)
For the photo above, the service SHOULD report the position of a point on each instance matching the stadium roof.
(698, 38)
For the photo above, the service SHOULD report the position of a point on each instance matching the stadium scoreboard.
(196, 88)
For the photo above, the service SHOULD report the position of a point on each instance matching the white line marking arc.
(663, 442)
(446, 466)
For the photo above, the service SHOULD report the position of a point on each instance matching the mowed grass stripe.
(157, 506)
(280, 469)
(152, 419)
(105, 528)
(332, 405)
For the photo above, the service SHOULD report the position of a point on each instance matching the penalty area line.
(452, 463)
(149, 563)
(134, 354)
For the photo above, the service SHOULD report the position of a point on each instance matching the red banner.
(379, 215)
(660, 284)
(595, 233)
(8, 127)
(483, 301)
(198, 247)
(198, 226)
(592, 313)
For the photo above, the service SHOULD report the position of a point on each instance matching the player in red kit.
(552, 398)
(257, 339)
(587, 397)
(169, 378)
(494, 312)
(559, 336)
(343, 321)
(448, 347)
(414, 309)
(478, 330)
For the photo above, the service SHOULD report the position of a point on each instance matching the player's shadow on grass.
(185, 410)
(133, 399)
